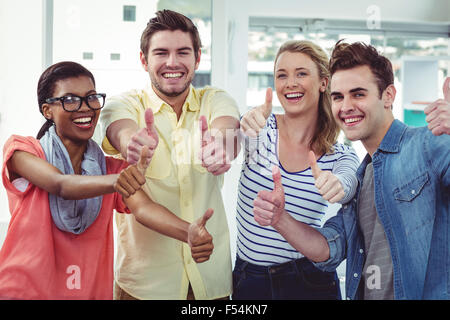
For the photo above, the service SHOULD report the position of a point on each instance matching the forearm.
(76, 187)
(47, 177)
(305, 239)
(157, 217)
(119, 134)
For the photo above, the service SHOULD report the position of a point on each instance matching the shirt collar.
(192, 100)
(393, 137)
(390, 143)
(156, 103)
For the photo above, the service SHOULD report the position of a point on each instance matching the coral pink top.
(39, 261)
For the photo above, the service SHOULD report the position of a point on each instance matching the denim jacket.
(412, 188)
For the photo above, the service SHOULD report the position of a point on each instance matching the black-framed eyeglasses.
(72, 103)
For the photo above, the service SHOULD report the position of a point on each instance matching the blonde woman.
(297, 149)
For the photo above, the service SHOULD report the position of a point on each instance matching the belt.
(292, 265)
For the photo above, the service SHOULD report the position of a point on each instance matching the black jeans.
(293, 280)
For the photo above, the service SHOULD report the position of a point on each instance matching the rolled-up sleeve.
(345, 170)
(334, 233)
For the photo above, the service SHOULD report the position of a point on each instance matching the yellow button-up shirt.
(150, 265)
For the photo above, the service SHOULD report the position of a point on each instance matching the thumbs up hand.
(269, 205)
(254, 120)
(329, 186)
(438, 113)
(145, 137)
(132, 178)
(199, 238)
(213, 154)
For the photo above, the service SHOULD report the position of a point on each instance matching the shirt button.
(355, 275)
(361, 250)
(413, 191)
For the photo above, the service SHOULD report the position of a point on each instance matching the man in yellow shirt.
(192, 137)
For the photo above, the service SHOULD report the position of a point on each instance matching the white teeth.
(294, 95)
(83, 120)
(172, 75)
(351, 120)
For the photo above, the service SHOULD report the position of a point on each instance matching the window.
(258, 80)
(201, 79)
(115, 56)
(129, 13)
(395, 41)
(115, 44)
(88, 55)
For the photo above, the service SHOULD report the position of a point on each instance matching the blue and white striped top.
(264, 245)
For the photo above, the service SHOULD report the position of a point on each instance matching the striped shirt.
(264, 245)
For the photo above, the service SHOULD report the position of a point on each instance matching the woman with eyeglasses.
(61, 192)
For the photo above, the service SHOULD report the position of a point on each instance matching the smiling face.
(76, 127)
(171, 63)
(358, 108)
(297, 82)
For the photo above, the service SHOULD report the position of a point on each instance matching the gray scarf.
(73, 216)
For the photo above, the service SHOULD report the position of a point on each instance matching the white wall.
(74, 19)
(21, 66)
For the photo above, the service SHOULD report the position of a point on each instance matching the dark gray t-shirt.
(377, 277)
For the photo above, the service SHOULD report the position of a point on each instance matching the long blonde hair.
(327, 130)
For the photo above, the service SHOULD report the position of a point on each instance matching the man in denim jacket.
(395, 232)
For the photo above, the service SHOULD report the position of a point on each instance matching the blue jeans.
(293, 280)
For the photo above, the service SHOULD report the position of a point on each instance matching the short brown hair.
(327, 130)
(347, 56)
(170, 20)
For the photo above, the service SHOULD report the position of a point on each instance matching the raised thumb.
(276, 175)
(208, 214)
(313, 164)
(203, 124)
(446, 89)
(267, 106)
(149, 120)
(142, 163)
